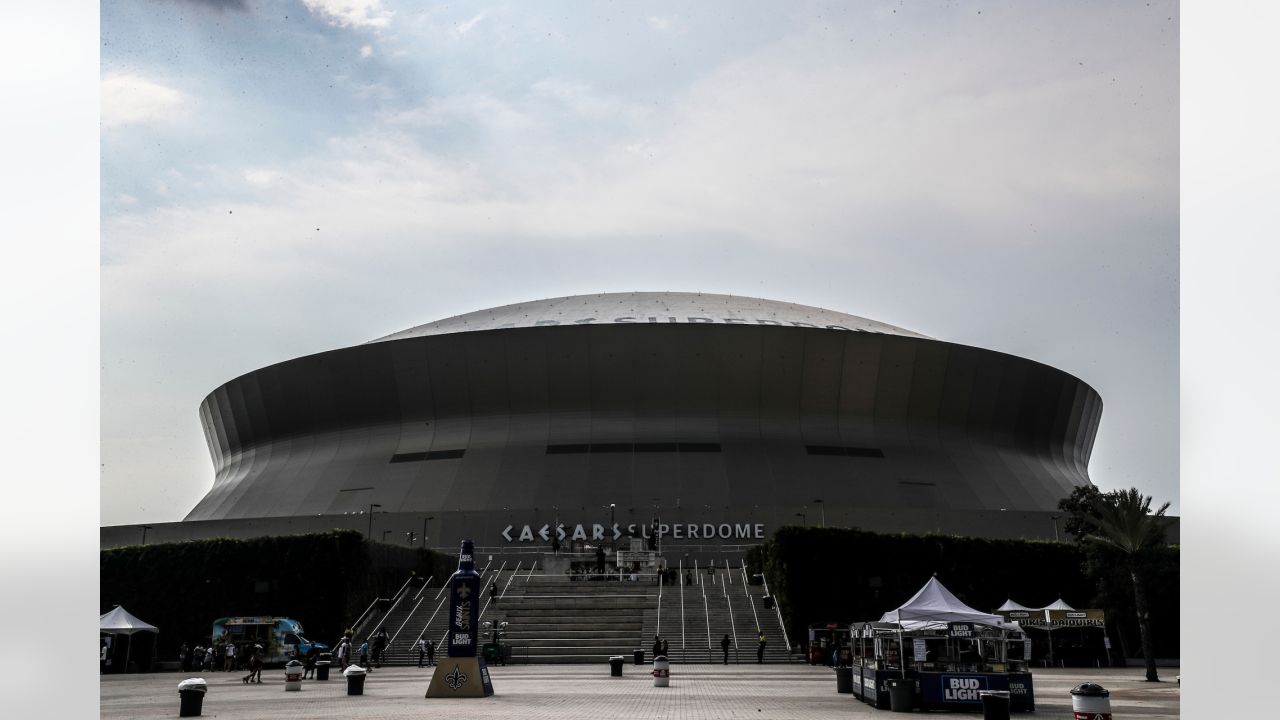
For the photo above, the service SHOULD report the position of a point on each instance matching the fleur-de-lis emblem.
(455, 679)
(464, 592)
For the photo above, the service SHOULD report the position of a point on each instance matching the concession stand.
(1073, 638)
(945, 650)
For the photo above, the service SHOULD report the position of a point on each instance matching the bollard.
(191, 691)
(1090, 701)
(661, 671)
(292, 676)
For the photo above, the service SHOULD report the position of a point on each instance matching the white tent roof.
(122, 622)
(1058, 605)
(1011, 605)
(935, 604)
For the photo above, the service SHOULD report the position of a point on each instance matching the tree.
(1122, 520)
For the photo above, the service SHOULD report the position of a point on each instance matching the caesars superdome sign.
(598, 531)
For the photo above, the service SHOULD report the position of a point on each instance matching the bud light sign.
(962, 689)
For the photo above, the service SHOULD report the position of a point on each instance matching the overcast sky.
(284, 178)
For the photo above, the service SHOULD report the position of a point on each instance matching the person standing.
(555, 545)
(184, 655)
(309, 664)
(422, 650)
(657, 646)
(364, 654)
(102, 657)
(431, 652)
(229, 660)
(493, 593)
(208, 658)
(760, 643)
(724, 645)
(344, 653)
(600, 559)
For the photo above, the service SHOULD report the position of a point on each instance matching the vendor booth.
(121, 622)
(1071, 637)
(947, 653)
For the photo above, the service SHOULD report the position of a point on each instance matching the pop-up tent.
(121, 622)
(1011, 605)
(934, 606)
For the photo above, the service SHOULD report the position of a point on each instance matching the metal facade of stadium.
(722, 416)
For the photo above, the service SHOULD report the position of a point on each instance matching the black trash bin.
(191, 692)
(900, 694)
(615, 666)
(355, 679)
(844, 679)
(995, 704)
(322, 670)
(639, 657)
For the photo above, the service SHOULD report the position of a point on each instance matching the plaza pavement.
(537, 692)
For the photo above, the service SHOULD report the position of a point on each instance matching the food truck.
(949, 653)
(281, 638)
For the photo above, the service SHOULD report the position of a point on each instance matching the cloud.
(661, 24)
(366, 51)
(351, 13)
(132, 100)
(262, 178)
(463, 28)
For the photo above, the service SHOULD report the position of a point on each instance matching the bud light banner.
(963, 691)
(962, 688)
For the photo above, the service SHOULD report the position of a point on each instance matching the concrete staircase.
(553, 618)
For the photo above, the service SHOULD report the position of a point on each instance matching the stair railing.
(777, 610)
(682, 643)
(750, 600)
(511, 577)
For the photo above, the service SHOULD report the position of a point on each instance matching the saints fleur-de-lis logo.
(464, 592)
(455, 679)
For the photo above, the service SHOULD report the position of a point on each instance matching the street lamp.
(145, 528)
(613, 521)
(818, 502)
(371, 507)
(1055, 519)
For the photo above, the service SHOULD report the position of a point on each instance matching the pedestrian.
(380, 642)
(344, 653)
(657, 646)
(184, 655)
(666, 648)
(229, 659)
(760, 643)
(422, 650)
(364, 653)
(102, 657)
(493, 592)
(431, 652)
(255, 666)
(724, 645)
(309, 663)
(555, 545)
(600, 559)
(688, 578)
(208, 658)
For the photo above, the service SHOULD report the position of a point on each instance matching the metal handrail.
(778, 611)
(750, 600)
(682, 640)
(658, 628)
(733, 626)
(510, 578)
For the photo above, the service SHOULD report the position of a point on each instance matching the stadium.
(591, 417)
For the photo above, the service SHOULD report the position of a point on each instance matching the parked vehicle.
(281, 638)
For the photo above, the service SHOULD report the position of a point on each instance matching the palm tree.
(1124, 522)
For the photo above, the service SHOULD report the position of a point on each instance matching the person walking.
(666, 648)
(600, 559)
(760, 643)
(422, 650)
(184, 655)
(255, 666)
(380, 642)
(431, 652)
(724, 645)
(364, 654)
(309, 664)
(344, 653)
(493, 593)
(208, 658)
(229, 660)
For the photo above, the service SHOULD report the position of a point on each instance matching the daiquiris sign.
(598, 531)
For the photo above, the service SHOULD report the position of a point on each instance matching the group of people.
(761, 641)
(218, 656)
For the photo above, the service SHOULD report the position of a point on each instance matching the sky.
(285, 178)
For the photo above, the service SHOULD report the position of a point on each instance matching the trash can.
(191, 691)
(661, 671)
(1090, 701)
(844, 680)
(639, 656)
(900, 694)
(355, 679)
(615, 666)
(995, 704)
(293, 676)
(323, 661)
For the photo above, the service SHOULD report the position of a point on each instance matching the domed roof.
(649, 307)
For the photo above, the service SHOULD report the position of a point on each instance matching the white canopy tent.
(934, 605)
(1011, 605)
(121, 622)
(1058, 605)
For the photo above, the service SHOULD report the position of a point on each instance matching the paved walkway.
(562, 692)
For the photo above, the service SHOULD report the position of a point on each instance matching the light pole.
(818, 502)
(369, 534)
(145, 528)
(613, 521)
(1055, 518)
(425, 520)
